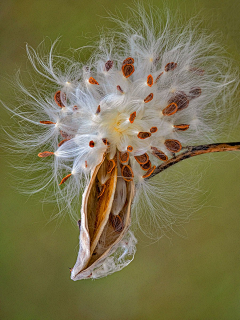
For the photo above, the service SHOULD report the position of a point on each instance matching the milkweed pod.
(98, 239)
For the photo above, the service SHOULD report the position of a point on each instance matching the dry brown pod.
(100, 237)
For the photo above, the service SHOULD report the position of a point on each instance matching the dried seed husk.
(98, 239)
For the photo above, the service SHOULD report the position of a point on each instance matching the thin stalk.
(193, 151)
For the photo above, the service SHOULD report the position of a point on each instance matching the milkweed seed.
(45, 154)
(144, 135)
(170, 66)
(65, 178)
(111, 165)
(195, 93)
(60, 98)
(181, 100)
(62, 142)
(181, 127)
(146, 166)
(104, 140)
(47, 122)
(119, 89)
(159, 154)
(158, 77)
(98, 109)
(148, 98)
(108, 65)
(128, 61)
(127, 173)
(92, 81)
(149, 80)
(173, 145)
(132, 117)
(170, 109)
(91, 144)
(123, 157)
(153, 129)
(142, 159)
(149, 172)
(127, 70)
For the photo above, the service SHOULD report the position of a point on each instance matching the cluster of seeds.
(134, 136)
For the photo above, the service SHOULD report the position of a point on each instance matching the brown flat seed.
(146, 166)
(148, 98)
(117, 223)
(92, 81)
(108, 65)
(65, 178)
(170, 109)
(47, 122)
(110, 166)
(149, 172)
(91, 144)
(123, 157)
(60, 98)
(119, 89)
(128, 61)
(159, 154)
(129, 148)
(65, 135)
(102, 191)
(143, 135)
(195, 93)
(181, 100)
(170, 66)
(149, 80)
(132, 117)
(142, 159)
(86, 164)
(173, 145)
(62, 142)
(153, 129)
(45, 154)
(104, 140)
(98, 109)
(127, 70)
(158, 77)
(127, 173)
(181, 127)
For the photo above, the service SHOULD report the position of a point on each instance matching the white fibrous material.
(148, 90)
(118, 258)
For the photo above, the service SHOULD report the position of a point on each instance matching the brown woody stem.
(195, 151)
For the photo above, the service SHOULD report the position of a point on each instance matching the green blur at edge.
(196, 277)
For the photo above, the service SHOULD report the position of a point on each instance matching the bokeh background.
(195, 276)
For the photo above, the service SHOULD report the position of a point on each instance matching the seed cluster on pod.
(129, 114)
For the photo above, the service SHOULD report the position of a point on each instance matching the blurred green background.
(193, 277)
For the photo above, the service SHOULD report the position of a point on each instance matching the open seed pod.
(106, 244)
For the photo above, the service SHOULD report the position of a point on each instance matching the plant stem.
(193, 151)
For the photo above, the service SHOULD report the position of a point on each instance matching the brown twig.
(195, 151)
